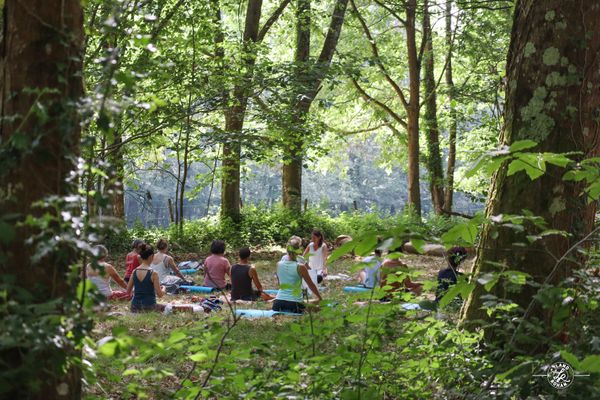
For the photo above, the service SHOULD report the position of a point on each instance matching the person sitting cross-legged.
(103, 282)
(290, 274)
(242, 276)
(146, 284)
(449, 275)
(163, 263)
(216, 267)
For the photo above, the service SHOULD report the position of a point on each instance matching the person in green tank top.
(290, 274)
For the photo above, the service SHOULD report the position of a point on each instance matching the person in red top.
(132, 261)
(216, 266)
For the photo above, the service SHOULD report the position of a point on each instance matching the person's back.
(446, 278)
(372, 272)
(102, 282)
(215, 269)
(241, 283)
(159, 266)
(144, 295)
(132, 260)
(290, 282)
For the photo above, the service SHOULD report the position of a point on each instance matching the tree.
(308, 79)
(552, 99)
(41, 69)
(434, 159)
(410, 103)
(452, 128)
(237, 103)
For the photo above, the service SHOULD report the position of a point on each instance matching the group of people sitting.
(377, 269)
(146, 269)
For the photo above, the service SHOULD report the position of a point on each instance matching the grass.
(264, 332)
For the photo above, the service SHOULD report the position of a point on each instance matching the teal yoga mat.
(200, 289)
(261, 313)
(188, 271)
(356, 289)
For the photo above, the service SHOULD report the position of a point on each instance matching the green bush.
(262, 226)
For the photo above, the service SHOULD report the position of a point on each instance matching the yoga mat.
(272, 292)
(356, 289)
(188, 271)
(201, 289)
(410, 306)
(261, 313)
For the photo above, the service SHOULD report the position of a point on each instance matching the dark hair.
(318, 234)
(217, 247)
(162, 244)
(244, 253)
(136, 243)
(146, 252)
(456, 255)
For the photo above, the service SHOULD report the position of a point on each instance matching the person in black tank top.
(242, 275)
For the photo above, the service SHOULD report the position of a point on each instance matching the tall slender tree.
(552, 99)
(237, 103)
(309, 77)
(434, 158)
(452, 128)
(41, 73)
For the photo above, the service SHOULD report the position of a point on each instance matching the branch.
(378, 61)
(272, 19)
(392, 12)
(381, 105)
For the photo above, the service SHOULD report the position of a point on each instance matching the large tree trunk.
(434, 160)
(449, 194)
(309, 78)
(414, 190)
(235, 114)
(551, 68)
(41, 50)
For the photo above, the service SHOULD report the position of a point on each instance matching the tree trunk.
(235, 114)
(40, 50)
(309, 79)
(291, 177)
(434, 160)
(414, 192)
(449, 194)
(549, 70)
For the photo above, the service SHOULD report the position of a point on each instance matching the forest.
(299, 199)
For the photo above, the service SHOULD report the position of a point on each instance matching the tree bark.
(434, 160)
(551, 69)
(41, 53)
(412, 114)
(449, 193)
(309, 79)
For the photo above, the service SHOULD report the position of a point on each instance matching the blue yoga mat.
(271, 291)
(188, 271)
(201, 289)
(261, 313)
(356, 289)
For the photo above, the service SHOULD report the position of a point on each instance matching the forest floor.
(112, 384)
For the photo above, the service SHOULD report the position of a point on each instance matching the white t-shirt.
(160, 268)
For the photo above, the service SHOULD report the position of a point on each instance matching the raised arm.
(311, 285)
(112, 272)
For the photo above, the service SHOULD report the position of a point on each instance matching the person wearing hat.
(290, 274)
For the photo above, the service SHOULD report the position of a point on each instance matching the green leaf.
(570, 358)
(418, 244)
(7, 232)
(556, 159)
(589, 364)
(462, 288)
(341, 251)
(522, 145)
(366, 245)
